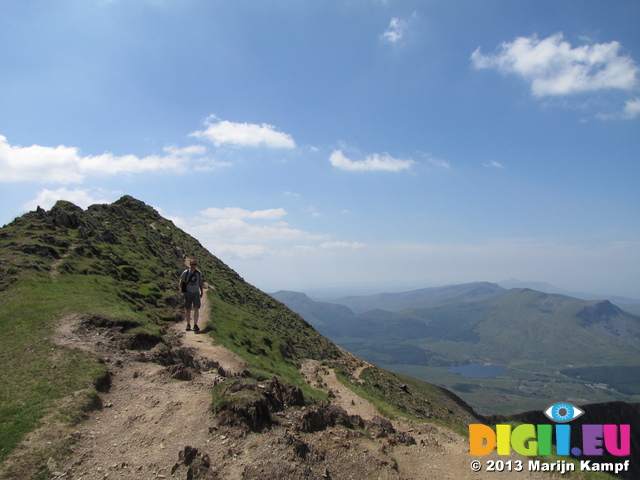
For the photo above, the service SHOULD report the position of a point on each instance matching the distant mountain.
(629, 304)
(422, 298)
(526, 324)
(539, 286)
(531, 334)
(316, 313)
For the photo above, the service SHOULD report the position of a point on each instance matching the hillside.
(421, 298)
(627, 304)
(540, 346)
(97, 367)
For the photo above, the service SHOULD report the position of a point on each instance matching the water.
(478, 370)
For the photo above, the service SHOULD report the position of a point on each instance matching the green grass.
(35, 372)
(119, 263)
(256, 341)
(385, 409)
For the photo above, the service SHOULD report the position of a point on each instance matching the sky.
(358, 146)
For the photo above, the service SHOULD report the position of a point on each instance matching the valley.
(547, 346)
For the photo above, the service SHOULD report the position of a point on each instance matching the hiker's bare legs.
(187, 317)
(196, 316)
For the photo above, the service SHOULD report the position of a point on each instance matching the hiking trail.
(149, 420)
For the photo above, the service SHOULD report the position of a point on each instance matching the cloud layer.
(246, 233)
(65, 165)
(81, 197)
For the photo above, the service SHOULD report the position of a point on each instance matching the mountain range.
(543, 345)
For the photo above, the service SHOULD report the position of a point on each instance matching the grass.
(120, 263)
(386, 410)
(36, 372)
(253, 338)
(98, 275)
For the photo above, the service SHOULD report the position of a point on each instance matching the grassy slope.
(36, 374)
(121, 262)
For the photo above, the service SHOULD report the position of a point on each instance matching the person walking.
(191, 288)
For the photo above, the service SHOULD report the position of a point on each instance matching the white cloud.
(395, 31)
(493, 164)
(249, 235)
(343, 245)
(221, 132)
(241, 231)
(438, 162)
(45, 164)
(291, 194)
(373, 163)
(245, 234)
(554, 67)
(243, 252)
(632, 108)
(80, 197)
(66, 165)
(398, 29)
(238, 213)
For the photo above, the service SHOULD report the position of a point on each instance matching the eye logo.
(563, 412)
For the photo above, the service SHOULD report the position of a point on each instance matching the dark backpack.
(189, 277)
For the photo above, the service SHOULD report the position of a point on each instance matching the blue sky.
(361, 144)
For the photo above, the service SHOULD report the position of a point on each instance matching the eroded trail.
(147, 415)
(315, 373)
(437, 452)
(146, 419)
(53, 269)
(150, 412)
(153, 417)
(229, 361)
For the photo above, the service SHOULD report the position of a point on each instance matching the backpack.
(186, 282)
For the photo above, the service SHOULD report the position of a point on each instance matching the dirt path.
(149, 421)
(147, 418)
(319, 375)
(438, 453)
(53, 269)
(230, 362)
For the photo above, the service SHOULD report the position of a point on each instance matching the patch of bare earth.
(53, 269)
(154, 421)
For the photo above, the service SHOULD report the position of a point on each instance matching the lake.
(478, 370)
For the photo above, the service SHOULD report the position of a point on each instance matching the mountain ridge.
(631, 305)
(110, 274)
(421, 298)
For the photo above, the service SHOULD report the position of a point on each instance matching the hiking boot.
(196, 328)
(188, 327)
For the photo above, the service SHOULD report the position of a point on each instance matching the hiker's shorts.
(191, 300)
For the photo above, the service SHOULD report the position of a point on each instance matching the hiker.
(191, 287)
